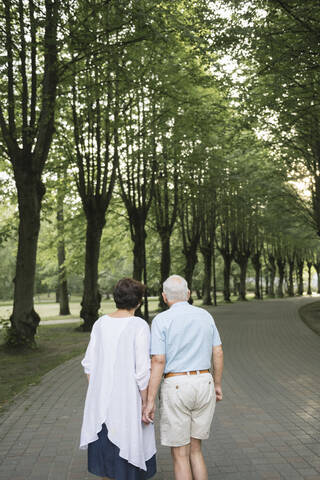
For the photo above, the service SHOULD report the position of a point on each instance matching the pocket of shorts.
(185, 396)
(210, 393)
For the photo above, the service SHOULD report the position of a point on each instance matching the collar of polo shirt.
(183, 302)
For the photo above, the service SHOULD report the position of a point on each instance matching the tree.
(63, 294)
(27, 108)
(166, 204)
(280, 62)
(225, 247)
(316, 264)
(137, 172)
(95, 114)
(207, 236)
(256, 261)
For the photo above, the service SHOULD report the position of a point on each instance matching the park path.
(267, 427)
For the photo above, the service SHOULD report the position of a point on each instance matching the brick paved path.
(267, 427)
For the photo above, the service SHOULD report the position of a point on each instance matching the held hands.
(218, 391)
(148, 411)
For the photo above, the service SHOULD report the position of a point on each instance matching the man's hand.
(218, 391)
(217, 358)
(148, 412)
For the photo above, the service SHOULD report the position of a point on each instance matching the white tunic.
(118, 361)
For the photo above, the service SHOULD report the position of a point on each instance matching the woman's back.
(118, 362)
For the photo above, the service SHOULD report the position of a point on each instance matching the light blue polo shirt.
(186, 335)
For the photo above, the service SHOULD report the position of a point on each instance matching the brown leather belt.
(193, 372)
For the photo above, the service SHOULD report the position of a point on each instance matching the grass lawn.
(48, 309)
(310, 314)
(55, 345)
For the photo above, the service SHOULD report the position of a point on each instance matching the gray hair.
(175, 288)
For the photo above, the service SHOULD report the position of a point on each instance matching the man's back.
(183, 341)
(186, 335)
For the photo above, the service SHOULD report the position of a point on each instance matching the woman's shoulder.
(100, 320)
(140, 323)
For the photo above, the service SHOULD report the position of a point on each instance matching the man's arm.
(217, 360)
(157, 367)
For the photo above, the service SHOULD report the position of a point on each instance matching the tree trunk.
(290, 279)
(235, 284)
(266, 279)
(62, 273)
(91, 296)
(309, 291)
(145, 281)
(257, 267)
(138, 256)
(190, 254)
(317, 268)
(227, 258)
(281, 264)
(272, 270)
(300, 265)
(242, 261)
(164, 266)
(139, 260)
(207, 259)
(214, 275)
(24, 320)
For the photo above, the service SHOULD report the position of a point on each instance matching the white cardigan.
(118, 361)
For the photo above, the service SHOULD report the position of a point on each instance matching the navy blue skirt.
(104, 461)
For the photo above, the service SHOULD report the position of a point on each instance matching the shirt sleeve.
(88, 359)
(216, 340)
(158, 338)
(142, 351)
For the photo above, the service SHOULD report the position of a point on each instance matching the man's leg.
(181, 462)
(199, 469)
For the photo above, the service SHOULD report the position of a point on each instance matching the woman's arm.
(142, 370)
(88, 359)
(144, 395)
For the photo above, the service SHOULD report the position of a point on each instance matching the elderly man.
(183, 341)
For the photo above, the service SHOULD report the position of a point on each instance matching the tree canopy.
(151, 137)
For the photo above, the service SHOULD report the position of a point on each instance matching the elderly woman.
(117, 363)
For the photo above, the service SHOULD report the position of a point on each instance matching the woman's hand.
(148, 412)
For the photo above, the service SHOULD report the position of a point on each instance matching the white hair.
(175, 288)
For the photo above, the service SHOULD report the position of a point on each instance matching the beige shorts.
(187, 404)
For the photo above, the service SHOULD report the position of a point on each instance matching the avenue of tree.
(176, 135)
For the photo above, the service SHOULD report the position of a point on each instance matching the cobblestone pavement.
(267, 427)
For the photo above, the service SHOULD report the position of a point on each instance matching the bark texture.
(281, 266)
(24, 319)
(27, 126)
(272, 270)
(207, 279)
(63, 294)
(317, 268)
(290, 278)
(91, 295)
(227, 258)
(256, 262)
(300, 265)
(309, 291)
(242, 261)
